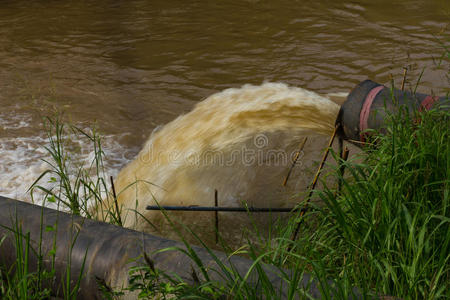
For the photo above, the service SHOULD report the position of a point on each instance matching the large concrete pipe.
(368, 103)
(106, 251)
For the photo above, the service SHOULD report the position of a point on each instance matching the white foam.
(22, 158)
(338, 94)
(16, 121)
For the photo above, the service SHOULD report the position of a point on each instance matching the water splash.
(241, 142)
(24, 155)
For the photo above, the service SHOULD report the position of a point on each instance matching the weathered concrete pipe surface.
(369, 102)
(107, 250)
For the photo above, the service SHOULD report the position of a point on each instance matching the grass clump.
(22, 283)
(390, 226)
(386, 233)
(31, 273)
(75, 186)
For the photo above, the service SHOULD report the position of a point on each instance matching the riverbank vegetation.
(386, 232)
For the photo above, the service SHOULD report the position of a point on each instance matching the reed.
(32, 278)
(391, 221)
(385, 233)
(75, 186)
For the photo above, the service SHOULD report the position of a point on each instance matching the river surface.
(130, 66)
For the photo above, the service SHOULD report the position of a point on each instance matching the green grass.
(387, 231)
(75, 187)
(20, 282)
(391, 222)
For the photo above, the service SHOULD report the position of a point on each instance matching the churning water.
(131, 66)
(240, 142)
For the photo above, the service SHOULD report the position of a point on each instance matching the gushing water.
(25, 157)
(240, 142)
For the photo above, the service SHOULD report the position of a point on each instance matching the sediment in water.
(240, 142)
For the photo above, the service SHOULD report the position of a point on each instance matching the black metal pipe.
(369, 103)
(221, 208)
(107, 252)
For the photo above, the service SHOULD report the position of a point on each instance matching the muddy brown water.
(130, 66)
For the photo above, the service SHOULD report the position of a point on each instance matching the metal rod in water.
(108, 253)
(220, 208)
(216, 215)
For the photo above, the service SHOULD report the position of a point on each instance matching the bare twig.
(313, 184)
(405, 69)
(360, 143)
(115, 202)
(297, 155)
(343, 159)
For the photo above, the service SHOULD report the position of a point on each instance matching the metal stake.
(216, 215)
